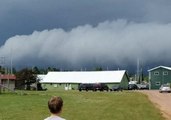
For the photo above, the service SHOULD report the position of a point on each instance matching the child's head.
(55, 105)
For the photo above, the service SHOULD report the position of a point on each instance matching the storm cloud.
(85, 33)
(19, 17)
(116, 42)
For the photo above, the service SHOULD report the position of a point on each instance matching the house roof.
(84, 77)
(168, 68)
(6, 77)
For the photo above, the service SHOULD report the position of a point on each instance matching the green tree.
(25, 77)
(52, 69)
(55, 69)
(2, 70)
(36, 70)
(43, 71)
(14, 70)
(98, 69)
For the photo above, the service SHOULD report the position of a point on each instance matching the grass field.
(79, 105)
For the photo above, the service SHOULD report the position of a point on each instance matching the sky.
(84, 34)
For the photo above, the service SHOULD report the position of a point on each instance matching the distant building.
(7, 82)
(158, 76)
(76, 77)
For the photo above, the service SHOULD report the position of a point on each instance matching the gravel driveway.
(161, 100)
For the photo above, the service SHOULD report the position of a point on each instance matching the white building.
(76, 77)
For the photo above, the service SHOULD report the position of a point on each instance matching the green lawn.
(79, 106)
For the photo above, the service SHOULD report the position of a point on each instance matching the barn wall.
(124, 82)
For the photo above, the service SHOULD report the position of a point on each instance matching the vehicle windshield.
(166, 85)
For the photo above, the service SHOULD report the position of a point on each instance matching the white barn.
(77, 77)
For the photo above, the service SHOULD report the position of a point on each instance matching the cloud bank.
(116, 42)
(22, 17)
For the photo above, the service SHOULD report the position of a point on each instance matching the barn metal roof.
(84, 77)
(168, 68)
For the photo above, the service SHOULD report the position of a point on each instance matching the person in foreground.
(55, 105)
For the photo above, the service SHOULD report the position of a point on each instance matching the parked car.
(94, 87)
(142, 86)
(132, 87)
(100, 86)
(85, 86)
(165, 88)
(116, 88)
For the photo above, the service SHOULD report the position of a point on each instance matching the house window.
(156, 73)
(165, 73)
(157, 83)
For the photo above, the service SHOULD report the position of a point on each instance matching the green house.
(158, 76)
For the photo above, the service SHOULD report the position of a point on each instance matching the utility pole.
(11, 63)
(138, 76)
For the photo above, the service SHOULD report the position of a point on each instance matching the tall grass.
(79, 106)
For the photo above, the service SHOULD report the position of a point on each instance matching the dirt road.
(161, 100)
